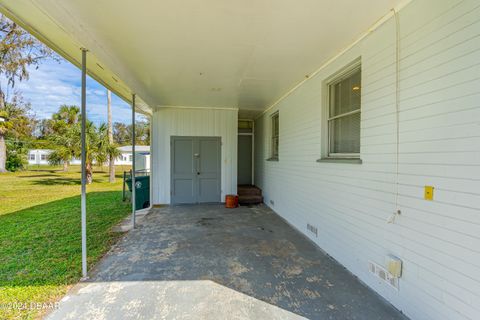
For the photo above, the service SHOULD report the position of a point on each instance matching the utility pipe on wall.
(397, 211)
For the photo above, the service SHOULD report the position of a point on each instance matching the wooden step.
(250, 199)
(248, 195)
(243, 190)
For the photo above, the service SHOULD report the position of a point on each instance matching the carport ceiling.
(205, 53)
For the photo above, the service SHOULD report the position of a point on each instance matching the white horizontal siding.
(169, 122)
(438, 241)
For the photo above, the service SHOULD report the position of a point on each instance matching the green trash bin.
(142, 191)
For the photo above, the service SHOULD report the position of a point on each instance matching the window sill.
(272, 159)
(341, 160)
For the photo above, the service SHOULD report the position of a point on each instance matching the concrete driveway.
(208, 262)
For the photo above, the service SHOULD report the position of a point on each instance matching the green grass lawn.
(40, 241)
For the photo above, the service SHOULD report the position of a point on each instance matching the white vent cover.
(381, 273)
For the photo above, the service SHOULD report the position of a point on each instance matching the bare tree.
(18, 51)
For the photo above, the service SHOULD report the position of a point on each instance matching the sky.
(56, 83)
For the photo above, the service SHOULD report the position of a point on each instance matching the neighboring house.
(142, 157)
(38, 156)
(369, 145)
(142, 154)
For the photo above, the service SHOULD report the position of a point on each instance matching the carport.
(212, 65)
(208, 262)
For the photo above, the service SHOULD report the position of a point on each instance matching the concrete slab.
(208, 262)
(126, 224)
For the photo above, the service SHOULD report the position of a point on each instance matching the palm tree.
(67, 114)
(66, 145)
(67, 141)
(105, 150)
(91, 151)
(99, 149)
(65, 135)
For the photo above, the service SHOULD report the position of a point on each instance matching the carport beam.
(84, 172)
(133, 161)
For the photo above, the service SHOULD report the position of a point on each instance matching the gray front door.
(195, 169)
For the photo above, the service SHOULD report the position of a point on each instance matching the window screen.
(344, 115)
(275, 136)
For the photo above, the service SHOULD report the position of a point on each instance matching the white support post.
(133, 161)
(150, 122)
(84, 172)
(253, 153)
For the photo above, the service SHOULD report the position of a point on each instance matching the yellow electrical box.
(428, 193)
(394, 266)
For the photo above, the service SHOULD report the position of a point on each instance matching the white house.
(142, 155)
(359, 119)
(38, 156)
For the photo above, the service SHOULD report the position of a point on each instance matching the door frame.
(253, 146)
(216, 138)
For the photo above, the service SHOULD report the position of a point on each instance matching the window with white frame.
(43, 157)
(130, 158)
(275, 136)
(343, 116)
(32, 156)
